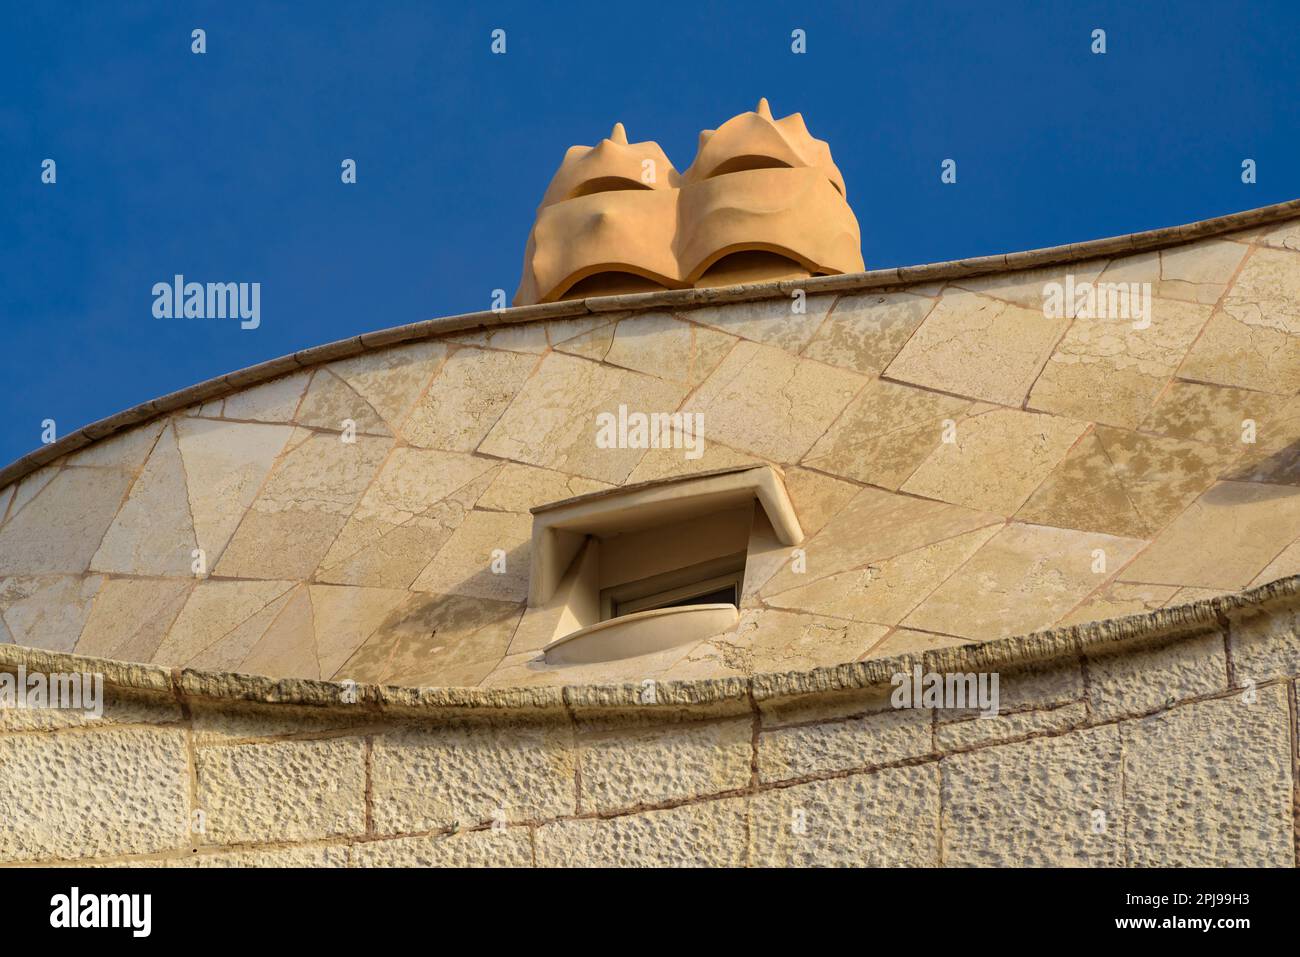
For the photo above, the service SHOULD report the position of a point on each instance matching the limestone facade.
(964, 467)
(1144, 741)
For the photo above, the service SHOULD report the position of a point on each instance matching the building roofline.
(187, 685)
(667, 299)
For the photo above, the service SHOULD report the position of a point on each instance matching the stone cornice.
(671, 299)
(722, 694)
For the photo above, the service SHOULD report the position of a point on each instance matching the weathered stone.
(1047, 802)
(706, 834)
(887, 818)
(1210, 784)
(83, 794)
(628, 768)
(289, 790)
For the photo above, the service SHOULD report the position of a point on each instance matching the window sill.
(641, 633)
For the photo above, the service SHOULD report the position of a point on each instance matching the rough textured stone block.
(629, 767)
(506, 847)
(886, 818)
(425, 778)
(1034, 803)
(707, 834)
(840, 733)
(1134, 680)
(92, 794)
(1266, 645)
(1210, 784)
(291, 790)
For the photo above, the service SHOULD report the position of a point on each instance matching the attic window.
(650, 566)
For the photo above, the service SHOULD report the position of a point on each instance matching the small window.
(644, 567)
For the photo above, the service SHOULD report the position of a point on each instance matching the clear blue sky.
(225, 166)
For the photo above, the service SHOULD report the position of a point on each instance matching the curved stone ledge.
(1182, 622)
(639, 302)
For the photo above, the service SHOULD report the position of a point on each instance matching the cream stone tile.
(29, 486)
(60, 529)
(1255, 355)
(1199, 272)
(874, 526)
(1266, 293)
(1119, 599)
(816, 497)
(395, 533)
(1286, 564)
(660, 345)
(126, 450)
(288, 646)
(587, 336)
(6, 495)
(774, 641)
(772, 322)
(1026, 578)
(466, 398)
(979, 347)
(215, 609)
(274, 401)
(390, 380)
(1125, 483)
(1282, 236)
(1026, 287)
(553, 421)
(1218, 415)
(302, 507)
(1254, 339)
(47, 612)
(225, 464)
(885, 433)
(670, 461)
(884, 591)
(1106, 370)
(1224, 539)
(153, 534)
(972, 470)
(229, 652)
(908, 641)
(520, 337)
(345, 617)
(1186, 596)
(331, 404)
(770, 403)
(131, 616)
(865, 332)
(519, 488)
(486, 557)
(451, 640)
(1086, 492)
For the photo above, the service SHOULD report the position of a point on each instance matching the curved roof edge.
(676, 298)
(188, 685)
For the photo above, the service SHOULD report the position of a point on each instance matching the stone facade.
(1106, 516)
(1154, 740)
(965, 466)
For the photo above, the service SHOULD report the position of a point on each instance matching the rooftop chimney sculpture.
(763, 200)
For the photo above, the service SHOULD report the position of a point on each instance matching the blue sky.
(225, 166)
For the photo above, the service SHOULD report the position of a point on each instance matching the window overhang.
(561, 529)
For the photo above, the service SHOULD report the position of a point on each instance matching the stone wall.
(373, 559)
(1162, 739)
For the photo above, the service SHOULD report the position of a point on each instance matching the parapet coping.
(640, 302)
(227, 688)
